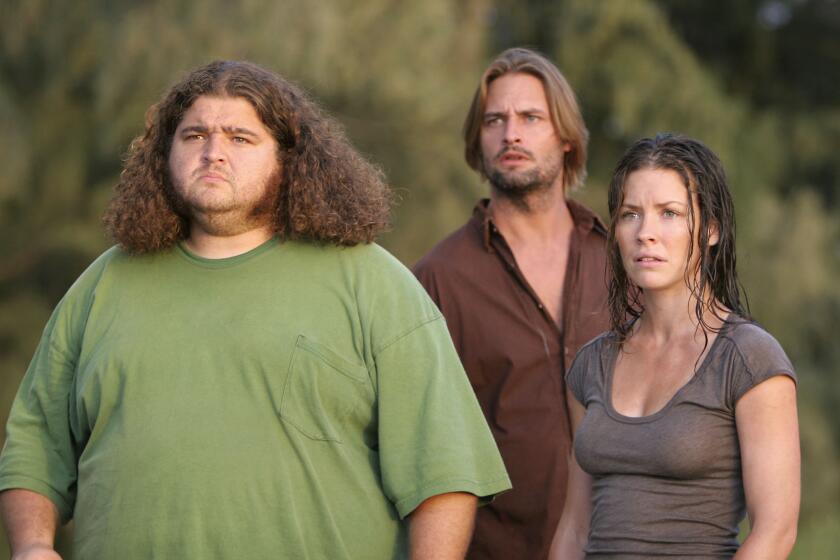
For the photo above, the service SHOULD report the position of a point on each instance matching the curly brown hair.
(328, 192)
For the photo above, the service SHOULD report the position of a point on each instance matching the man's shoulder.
(99, 266)
(366, 258)
(586, 218)
(367, 267)
(360, 254)
(113, 254)
(73, 307)
(460, 246)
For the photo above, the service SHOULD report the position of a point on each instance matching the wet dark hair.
(703, 176)
(327, 191)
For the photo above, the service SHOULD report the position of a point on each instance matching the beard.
(227, 218)
(519, 186)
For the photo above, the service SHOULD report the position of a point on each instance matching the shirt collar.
(585, 220)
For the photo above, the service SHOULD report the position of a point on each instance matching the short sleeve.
(578, 374)
(760, 358)
(42, 442)
(433, 437)
(39, 454)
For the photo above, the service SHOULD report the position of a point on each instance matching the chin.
(649, 282)
(660, 287)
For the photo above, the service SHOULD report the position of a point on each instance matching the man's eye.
(492, 121)
(670, 213)
(240, 140)
(532, 118)
(194, 137)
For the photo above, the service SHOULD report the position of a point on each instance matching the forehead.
(655, 185)
(218, 111)
(516, 91)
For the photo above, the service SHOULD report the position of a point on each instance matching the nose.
(214, 151)
(512, 132)
(647, 229)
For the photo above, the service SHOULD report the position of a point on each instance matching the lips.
(212, 176)
(514, 155)
(648, 261)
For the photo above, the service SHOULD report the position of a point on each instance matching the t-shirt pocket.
(322, 391)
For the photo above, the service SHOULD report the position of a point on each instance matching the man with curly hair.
(246, 375)
(523, 286)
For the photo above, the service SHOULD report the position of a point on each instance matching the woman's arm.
(768, 432)
(573, 529)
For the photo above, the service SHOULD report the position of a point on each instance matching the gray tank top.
(669, 484)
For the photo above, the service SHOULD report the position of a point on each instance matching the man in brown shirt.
(522, 286)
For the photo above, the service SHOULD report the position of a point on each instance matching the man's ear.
(714, 233)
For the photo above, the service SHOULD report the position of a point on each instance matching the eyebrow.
(660, 205)
(530, 111)
(237, 130)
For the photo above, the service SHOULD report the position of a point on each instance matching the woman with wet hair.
(685, 411)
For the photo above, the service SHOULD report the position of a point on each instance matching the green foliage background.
(756, 80)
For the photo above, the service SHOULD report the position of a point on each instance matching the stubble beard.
(522, 188)
(225, 220)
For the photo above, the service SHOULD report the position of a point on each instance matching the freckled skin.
(653, 230)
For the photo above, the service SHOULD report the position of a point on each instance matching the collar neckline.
(226, 262)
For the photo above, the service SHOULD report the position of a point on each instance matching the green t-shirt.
(296, 401)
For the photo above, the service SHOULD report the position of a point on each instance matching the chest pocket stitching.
(301, 401)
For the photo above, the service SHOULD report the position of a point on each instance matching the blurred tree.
(758, 86)
(776, 53)
(781, 56)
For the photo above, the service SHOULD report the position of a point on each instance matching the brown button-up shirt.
(516, 357)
